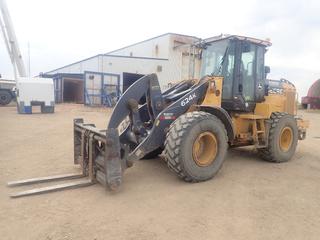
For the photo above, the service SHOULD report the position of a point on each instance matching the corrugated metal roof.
(64, 75)
(314, 90)
(48, 72)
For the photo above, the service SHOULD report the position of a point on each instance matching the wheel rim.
(3, 98)
(286, 139)
(204, 149)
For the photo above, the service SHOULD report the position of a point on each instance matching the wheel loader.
(192, 123)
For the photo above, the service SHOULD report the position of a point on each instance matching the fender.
(223, 116)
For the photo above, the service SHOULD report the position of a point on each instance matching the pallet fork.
(88, 143)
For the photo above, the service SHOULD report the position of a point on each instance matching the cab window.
(247, 71)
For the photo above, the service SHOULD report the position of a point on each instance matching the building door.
(111, 89)
(57, 81)
(101, 88)
(72, 90)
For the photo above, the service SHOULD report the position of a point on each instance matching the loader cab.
(240, 61)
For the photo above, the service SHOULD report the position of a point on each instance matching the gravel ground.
(248, 199)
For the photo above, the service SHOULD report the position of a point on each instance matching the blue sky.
(61, 32)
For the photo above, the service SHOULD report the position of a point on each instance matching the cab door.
(247, 72)
(244, 78)
(251, 72)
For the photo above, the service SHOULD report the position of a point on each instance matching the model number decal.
(188, 99)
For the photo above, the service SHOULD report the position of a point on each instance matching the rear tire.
(196, 146)
(283, 138)
(5, 97)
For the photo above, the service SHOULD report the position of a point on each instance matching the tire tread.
(174, 138)
(268, 153)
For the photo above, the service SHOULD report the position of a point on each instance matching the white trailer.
(30, 91)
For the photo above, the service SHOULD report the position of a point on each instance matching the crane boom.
(11, 41)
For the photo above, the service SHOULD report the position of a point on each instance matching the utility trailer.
(35, 92)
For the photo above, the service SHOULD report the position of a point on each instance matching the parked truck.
(7, 93)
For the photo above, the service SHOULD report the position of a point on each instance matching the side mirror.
(266, 70)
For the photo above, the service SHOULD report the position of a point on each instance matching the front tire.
(283, 138)
(196, 146)
(5, 97)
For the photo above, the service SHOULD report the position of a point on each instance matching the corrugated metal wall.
(154, 48)
(118, 65)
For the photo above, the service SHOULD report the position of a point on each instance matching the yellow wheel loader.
(193, 123)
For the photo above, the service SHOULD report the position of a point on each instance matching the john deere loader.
(193, 123)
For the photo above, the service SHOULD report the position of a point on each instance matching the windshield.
(212, 58)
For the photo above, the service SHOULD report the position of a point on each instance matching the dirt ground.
(248, 199)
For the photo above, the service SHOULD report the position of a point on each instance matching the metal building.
(101, 79)
(312, 100)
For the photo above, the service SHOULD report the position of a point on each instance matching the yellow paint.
(272, 103)
(250, 116)
(214, 92)
(286, 139)
(205, 149)
(249, 128)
